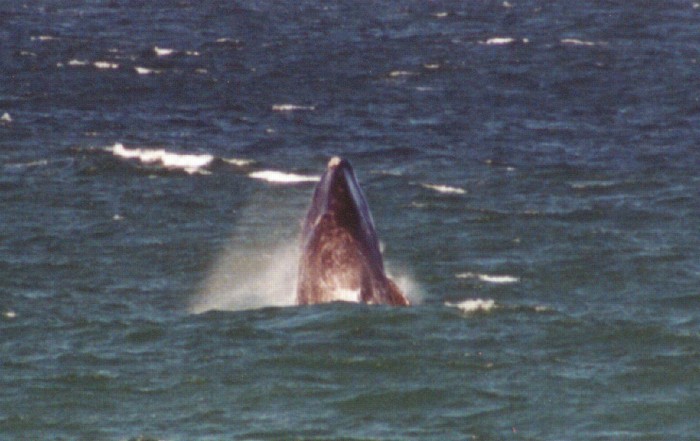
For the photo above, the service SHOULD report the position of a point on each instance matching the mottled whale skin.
(340, 257)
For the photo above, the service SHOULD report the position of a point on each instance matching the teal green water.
(532, 172)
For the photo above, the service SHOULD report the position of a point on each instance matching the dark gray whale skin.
(340, 257)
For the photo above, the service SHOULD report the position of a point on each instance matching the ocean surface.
(532, 168)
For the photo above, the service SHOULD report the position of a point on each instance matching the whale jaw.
(340, 257)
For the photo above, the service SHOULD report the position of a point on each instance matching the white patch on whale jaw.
(343, 286)
(345, 295)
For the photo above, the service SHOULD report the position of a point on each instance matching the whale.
(340, 258)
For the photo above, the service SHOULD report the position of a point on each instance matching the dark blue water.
(532, 171)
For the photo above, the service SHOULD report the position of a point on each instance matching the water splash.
(250, 279)
(245, 278)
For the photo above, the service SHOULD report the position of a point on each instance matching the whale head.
(340, 255)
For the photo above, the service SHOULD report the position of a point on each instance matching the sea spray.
(246, 278)
(250, 279)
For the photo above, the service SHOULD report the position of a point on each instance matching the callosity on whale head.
(340, 257)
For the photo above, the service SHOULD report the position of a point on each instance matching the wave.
(473, 305)
(577, 42)
(502, 41)
(489, 278)
(146, 71)
(202, 164)
(103, 65)
(163, 52)
(279, 177)
(290, 107)
(444, 189)
(189, 163)
(22, 165)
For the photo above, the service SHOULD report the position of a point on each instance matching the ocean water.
(532, 168)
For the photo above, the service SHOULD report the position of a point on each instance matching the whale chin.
(340, 257)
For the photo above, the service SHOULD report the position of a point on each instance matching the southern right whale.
(340, 256)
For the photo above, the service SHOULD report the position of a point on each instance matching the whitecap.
(584, 185)
(22, 165)
(445, 189)
(43, 38)
(473, 305)
(502, 41)
(76, 62)
(489, 278)
(400, 73)
(190, 163)
(577, 42)
(279, 177)
(145, 70)
(6, 118)
(238, 162)
(163, 52)
(290, 107)
(105, 65)
(9, 314)
(495, 41)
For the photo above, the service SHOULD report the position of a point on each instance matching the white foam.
(583, 185)
(400, 73)
(20, 165)
(43, 38)
(105, 65)
(238, 162)
(146, 71)
(290, 107)
(190, 163)
(473, 305)
(497, 41)
(279, 177)
(76, 62)
(488, 278)
(227, 40)
(163, 52)
(6, 117)
(445, 189)
(577, 42)
(9, 314)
